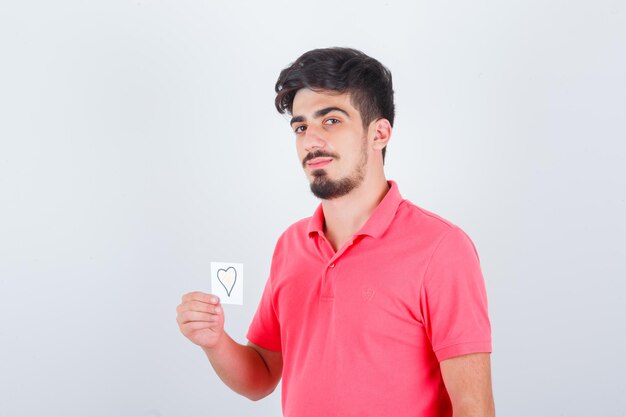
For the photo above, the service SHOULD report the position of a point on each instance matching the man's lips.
(318, 162)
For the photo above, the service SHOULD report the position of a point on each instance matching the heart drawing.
(227, 277)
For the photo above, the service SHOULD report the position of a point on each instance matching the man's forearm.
(241, 368)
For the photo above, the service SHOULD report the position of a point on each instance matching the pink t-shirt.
(362, 330)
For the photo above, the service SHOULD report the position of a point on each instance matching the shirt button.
(332, 265)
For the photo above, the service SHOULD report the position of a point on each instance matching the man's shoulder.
(431, 231)
(411, 215)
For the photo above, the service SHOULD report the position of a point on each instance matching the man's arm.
(248, 370)
(468, 381)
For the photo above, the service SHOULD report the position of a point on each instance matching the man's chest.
(361, 293)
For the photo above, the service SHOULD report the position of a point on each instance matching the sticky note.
(227, 282)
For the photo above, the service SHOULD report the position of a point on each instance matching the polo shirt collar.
(378, 222)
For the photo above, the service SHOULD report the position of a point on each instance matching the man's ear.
(380, 130)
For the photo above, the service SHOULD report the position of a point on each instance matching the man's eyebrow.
(297, 119)
(319, 113)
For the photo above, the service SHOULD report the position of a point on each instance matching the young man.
(373, 306)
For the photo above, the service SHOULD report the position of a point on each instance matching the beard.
(328, 189)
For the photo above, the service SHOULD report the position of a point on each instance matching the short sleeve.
(264, 330)
(453, 299)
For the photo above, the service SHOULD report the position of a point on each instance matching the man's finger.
(191, 316)
(201, 296)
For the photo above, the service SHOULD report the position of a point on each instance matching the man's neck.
(344, 216)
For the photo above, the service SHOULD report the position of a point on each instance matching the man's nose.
(313, 138)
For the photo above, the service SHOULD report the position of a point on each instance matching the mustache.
(318, 154)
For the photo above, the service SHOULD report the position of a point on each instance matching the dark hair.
(343, 70)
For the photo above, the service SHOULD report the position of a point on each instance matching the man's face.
(331, 142)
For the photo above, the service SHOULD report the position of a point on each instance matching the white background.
(139, 142)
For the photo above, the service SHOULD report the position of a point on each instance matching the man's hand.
(249, 370)
(200, 318)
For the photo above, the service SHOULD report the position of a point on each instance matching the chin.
(316, 173)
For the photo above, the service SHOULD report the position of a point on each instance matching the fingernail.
(214, 300)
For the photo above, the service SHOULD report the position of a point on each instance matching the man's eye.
(300, 129)
(332, 121)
